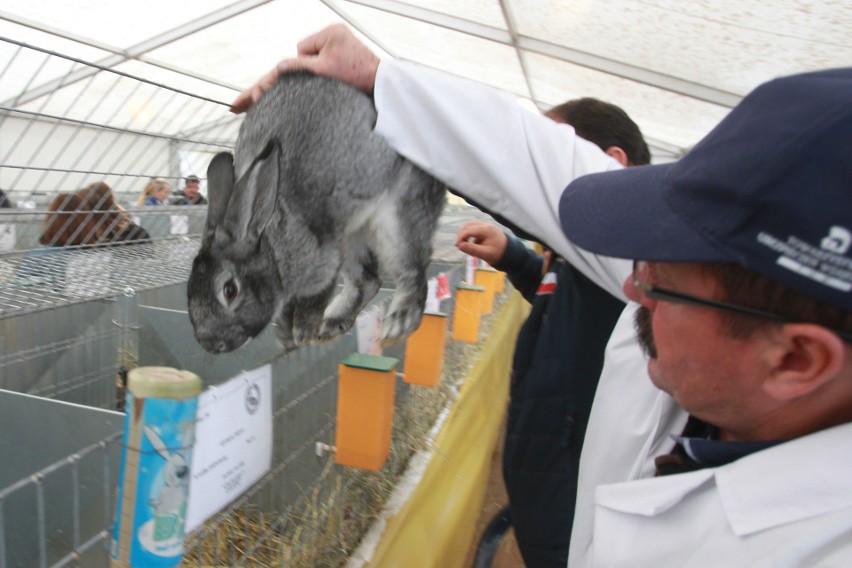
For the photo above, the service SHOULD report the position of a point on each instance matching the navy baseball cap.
(770, 188)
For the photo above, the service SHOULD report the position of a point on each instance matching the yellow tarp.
(436, 525)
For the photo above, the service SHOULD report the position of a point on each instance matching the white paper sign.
(470, 270)
(7, 237)
(433, 303)
(368, 326)
(178, 224)
(233, 443)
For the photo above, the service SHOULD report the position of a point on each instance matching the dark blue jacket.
(557, 363)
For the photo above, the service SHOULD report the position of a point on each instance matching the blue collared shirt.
(698, 448)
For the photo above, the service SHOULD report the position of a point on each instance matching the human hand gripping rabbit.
(312, 194)
(333, 52)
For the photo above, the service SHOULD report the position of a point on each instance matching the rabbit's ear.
(156, 441)
(220, 188)
(252, 206)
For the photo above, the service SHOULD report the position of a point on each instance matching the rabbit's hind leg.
(405, 258)
(360, 283)
(406, 307)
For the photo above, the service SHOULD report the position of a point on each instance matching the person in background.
(191, 194)
(88, 217)
(113, 223)
(155, 193)
(69, 223)
(558, 354)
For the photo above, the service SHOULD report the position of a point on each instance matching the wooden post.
(467, 313)
(501, 282)
(487, 278)
(424, 351)
(159, 433)
(365, 395)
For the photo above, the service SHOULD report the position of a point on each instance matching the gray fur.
(312, 194)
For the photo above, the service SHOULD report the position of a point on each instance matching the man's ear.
(804, 358)
(619, 155)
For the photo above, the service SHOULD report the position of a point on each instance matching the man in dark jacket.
(558, 355)
(190, 194)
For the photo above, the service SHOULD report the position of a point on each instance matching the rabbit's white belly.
(380, 211)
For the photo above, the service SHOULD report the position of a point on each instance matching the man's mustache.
(644, 331)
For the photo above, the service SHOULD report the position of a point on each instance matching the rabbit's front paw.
(305, 332)
(302, 336)
(399, 324)
(335, 327)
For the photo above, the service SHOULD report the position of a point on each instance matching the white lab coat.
(783, 507)
(786, 506)
(630, 425)
(518, 166)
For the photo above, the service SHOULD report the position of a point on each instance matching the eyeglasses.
(654, 292)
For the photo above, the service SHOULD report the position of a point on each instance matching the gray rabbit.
(312, 194)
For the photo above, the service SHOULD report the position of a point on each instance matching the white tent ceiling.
(675, 66)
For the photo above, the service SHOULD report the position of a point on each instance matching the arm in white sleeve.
(484, 145)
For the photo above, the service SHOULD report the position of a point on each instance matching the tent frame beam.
(134, 52)
(527, 44)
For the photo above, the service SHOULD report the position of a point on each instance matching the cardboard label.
(233, 442)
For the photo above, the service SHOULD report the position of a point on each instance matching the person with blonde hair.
(155, 193)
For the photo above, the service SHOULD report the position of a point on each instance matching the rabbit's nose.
(212, 344)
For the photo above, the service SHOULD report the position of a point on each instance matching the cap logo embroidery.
(823, 265)
(838, 240)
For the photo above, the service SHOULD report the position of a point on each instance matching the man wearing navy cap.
(745, 283)
(741, 291)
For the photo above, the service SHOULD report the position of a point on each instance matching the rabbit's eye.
(229, 290)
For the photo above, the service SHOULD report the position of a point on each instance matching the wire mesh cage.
(69, 122)
(306, 511)
(85, 135)
(83, 141)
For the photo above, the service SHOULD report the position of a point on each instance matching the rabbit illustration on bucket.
(169, 503)
(312, 194)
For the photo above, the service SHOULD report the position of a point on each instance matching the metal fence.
(84, 131)
(63, 309)
(304, 512)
